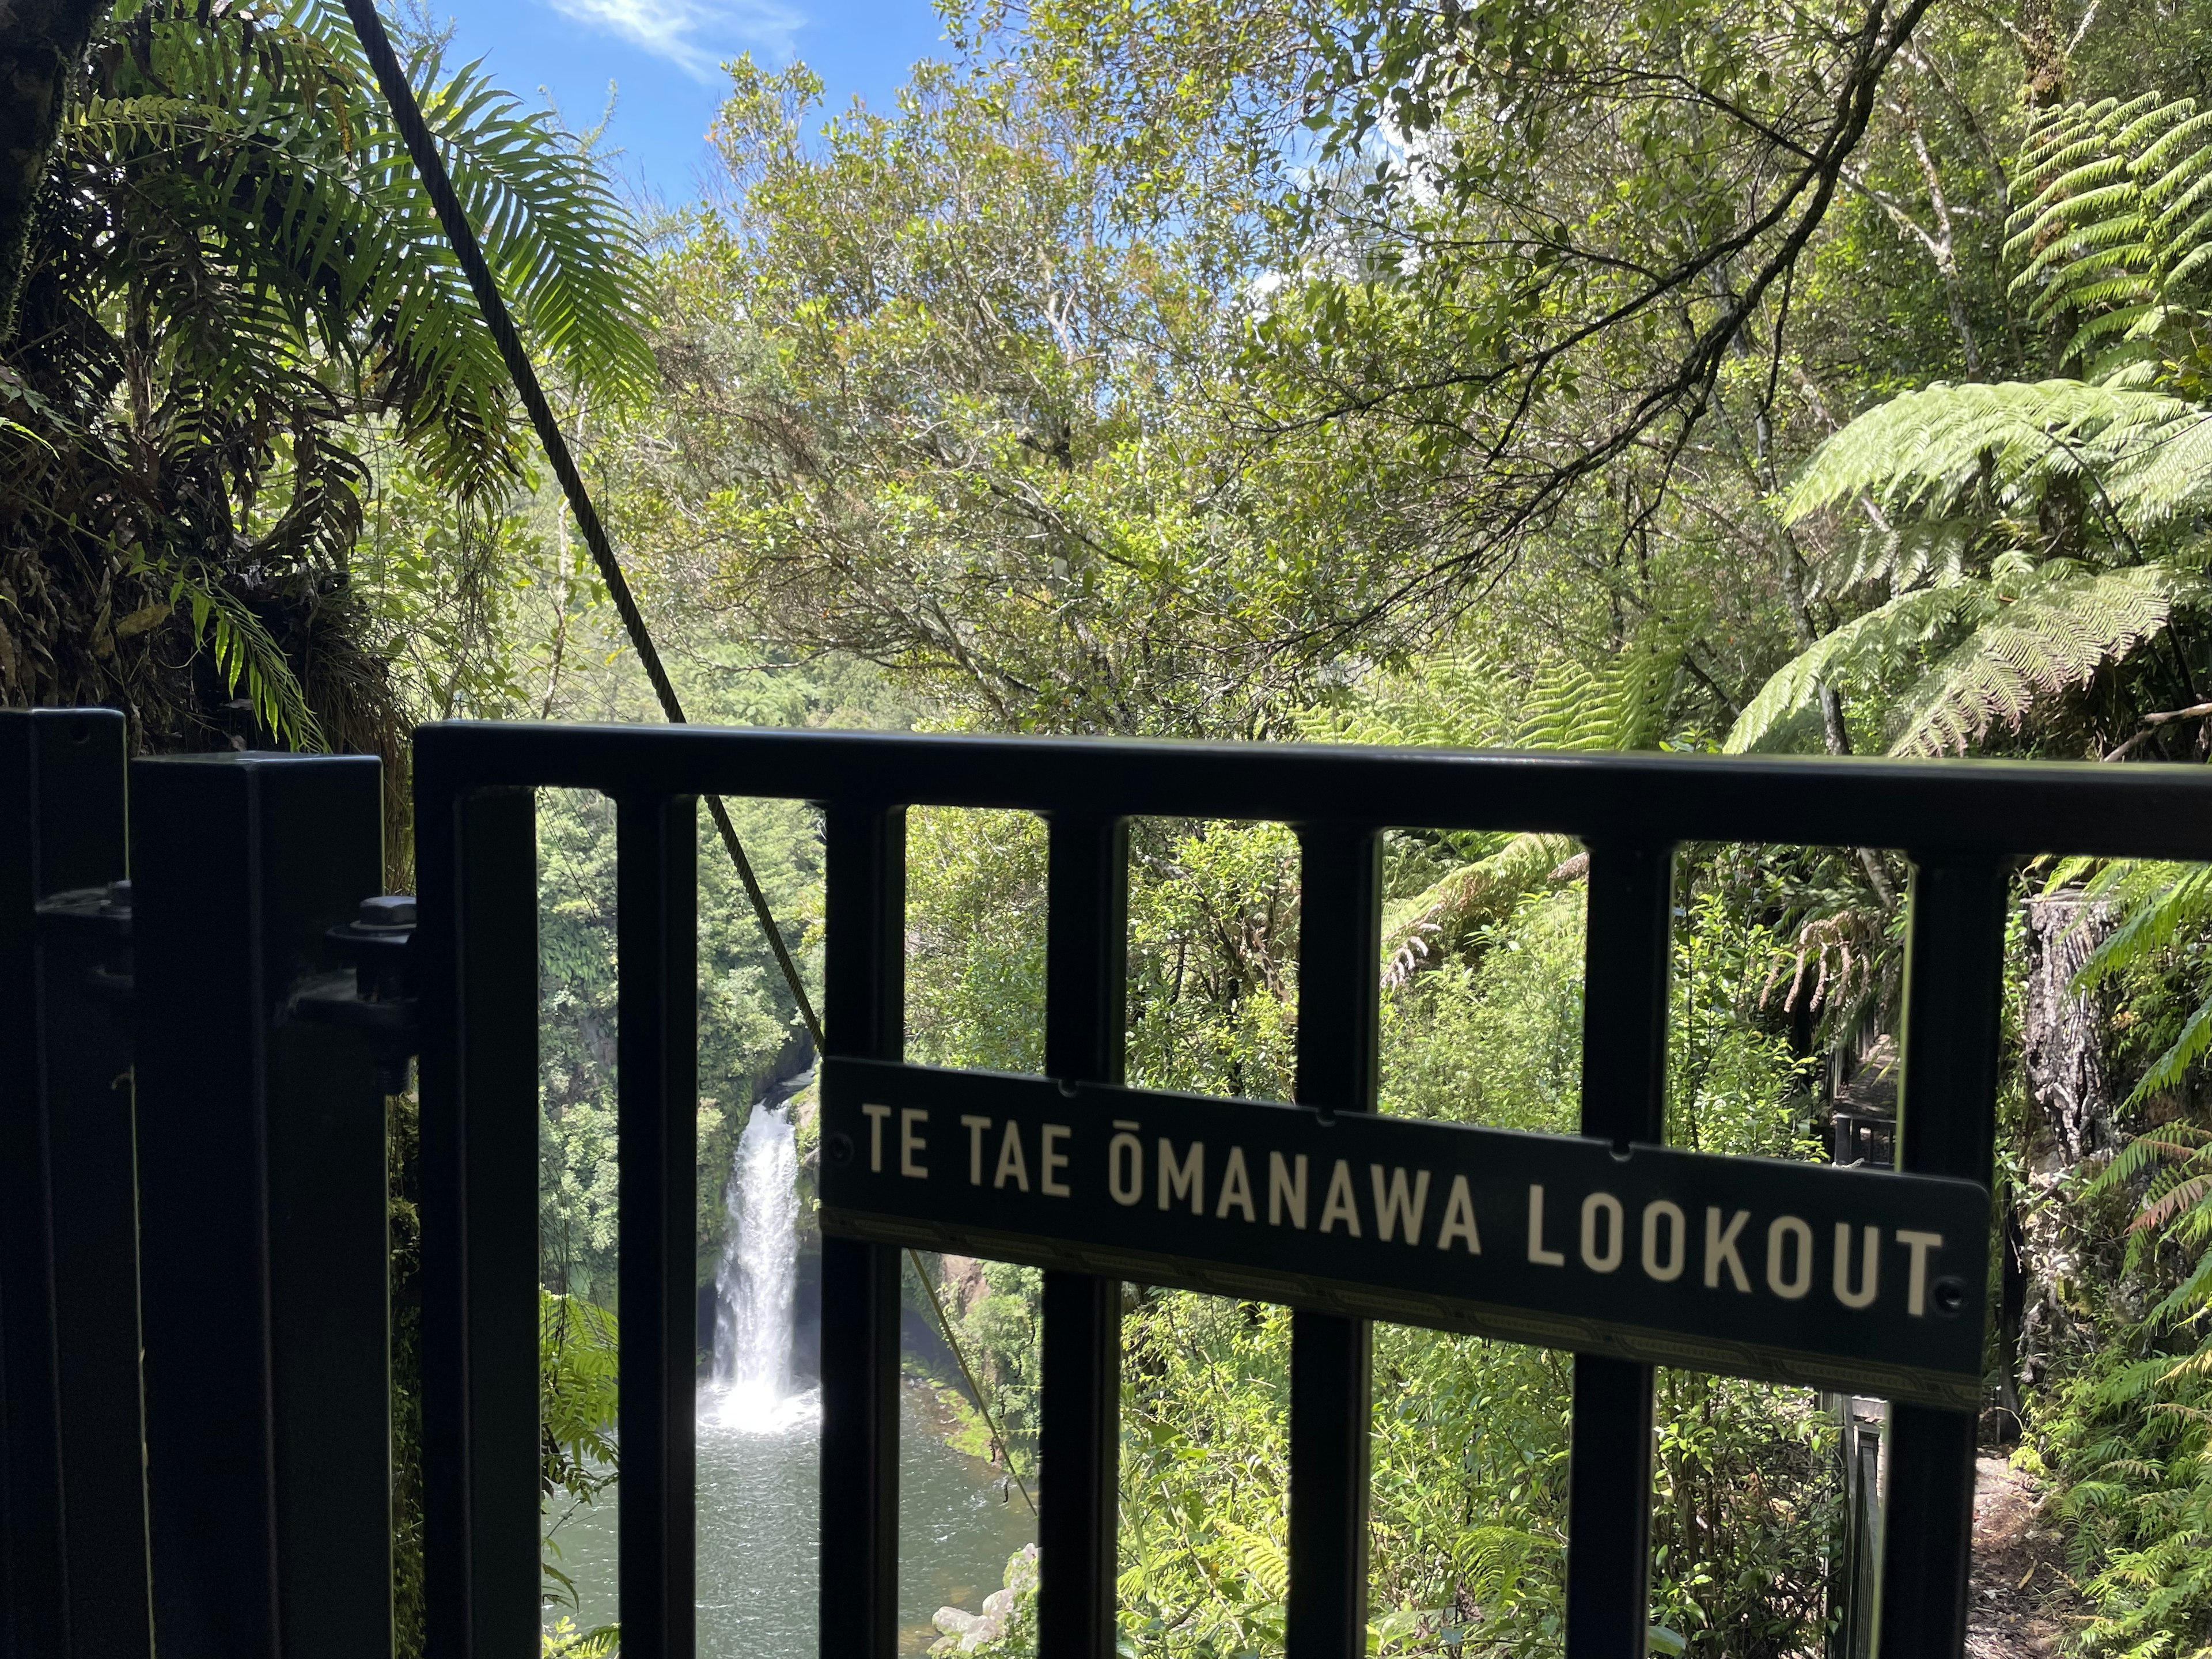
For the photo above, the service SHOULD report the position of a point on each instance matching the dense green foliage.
(237, 300)
(1657, 374)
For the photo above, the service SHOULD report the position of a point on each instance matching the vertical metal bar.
(656, 909)
(864, 1016)
(1627, 949)
(476, 967)
(263, 1205)
(72, 1486)
(1340, 992)
(33, 864)
(1947, 1126)
(1086, 982)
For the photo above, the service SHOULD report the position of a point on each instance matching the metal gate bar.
(1947, 1125)
(476, 963)
(1079, 1440)
(1339, 1047)
(72, 1475)
(864, 1016)
(657, 1065)
(1962, 822)
(1628, 946)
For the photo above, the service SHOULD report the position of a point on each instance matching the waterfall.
(755, 1283)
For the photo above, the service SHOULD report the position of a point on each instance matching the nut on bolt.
(387, 910)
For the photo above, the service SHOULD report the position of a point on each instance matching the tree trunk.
(41, 42)
(2069, 1100)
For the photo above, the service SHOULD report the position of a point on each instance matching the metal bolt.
(1950, 1294)
(118, 899)
(841, 1149)
(388, 910)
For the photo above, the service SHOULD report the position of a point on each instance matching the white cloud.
(695, 35)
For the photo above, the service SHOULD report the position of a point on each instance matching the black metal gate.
(474, 965)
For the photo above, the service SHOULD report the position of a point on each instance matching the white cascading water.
(755, 1282)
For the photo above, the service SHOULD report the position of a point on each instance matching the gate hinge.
(104, 912)
(376, 997)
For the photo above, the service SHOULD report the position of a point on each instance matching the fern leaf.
(1871, 647)
(2052, 639)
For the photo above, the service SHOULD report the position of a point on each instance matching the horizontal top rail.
(1926, 807)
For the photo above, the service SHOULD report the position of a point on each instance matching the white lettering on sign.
(1606, 1205)
(1054, 1159)
(1870, 1266)
(1657, 1212)
(1125, 1163)
(1341, 1204)
(1013, 1165)
(1235, 1188)
(1537, 1253)
(1396, 1207)
(1284, 1194)
(1720, 1250)
(975, 1126)
(1459, 1217)
(1782, 1232)
(1185, 1180)
(1611, 1231)
(1916, 1284)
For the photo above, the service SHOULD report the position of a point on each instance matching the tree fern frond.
(1869, 647)
(2114, 218)
(2053, 637)
(1476, 894)
(1928, 452)
(1619, 704)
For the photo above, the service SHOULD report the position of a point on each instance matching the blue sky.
(663, 56)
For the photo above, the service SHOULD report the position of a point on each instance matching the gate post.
(262, 1197)
(476, 869)
(657, 920)
(72, 1494)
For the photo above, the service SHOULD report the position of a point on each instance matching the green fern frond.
(2117, 205)
(1264, 1561)
(1452, 699)
(1871, 647)
(1416, 932)
(1935, 452)
(2053, 635)
(245, 656)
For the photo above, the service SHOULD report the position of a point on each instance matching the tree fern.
(1975, 450)
(2046, 635)
(1264, 1561)
(2033, 536)
(1871, 648)
(2115, 232)
(1976, 654)
(233, 233)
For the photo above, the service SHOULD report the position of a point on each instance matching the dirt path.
(2021, 1602)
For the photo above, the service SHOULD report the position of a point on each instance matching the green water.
(757, 1532)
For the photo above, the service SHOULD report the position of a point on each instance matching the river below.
(757, 1479)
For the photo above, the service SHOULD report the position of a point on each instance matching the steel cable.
(392, 78)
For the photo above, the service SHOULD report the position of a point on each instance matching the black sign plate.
(1860, 1281)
